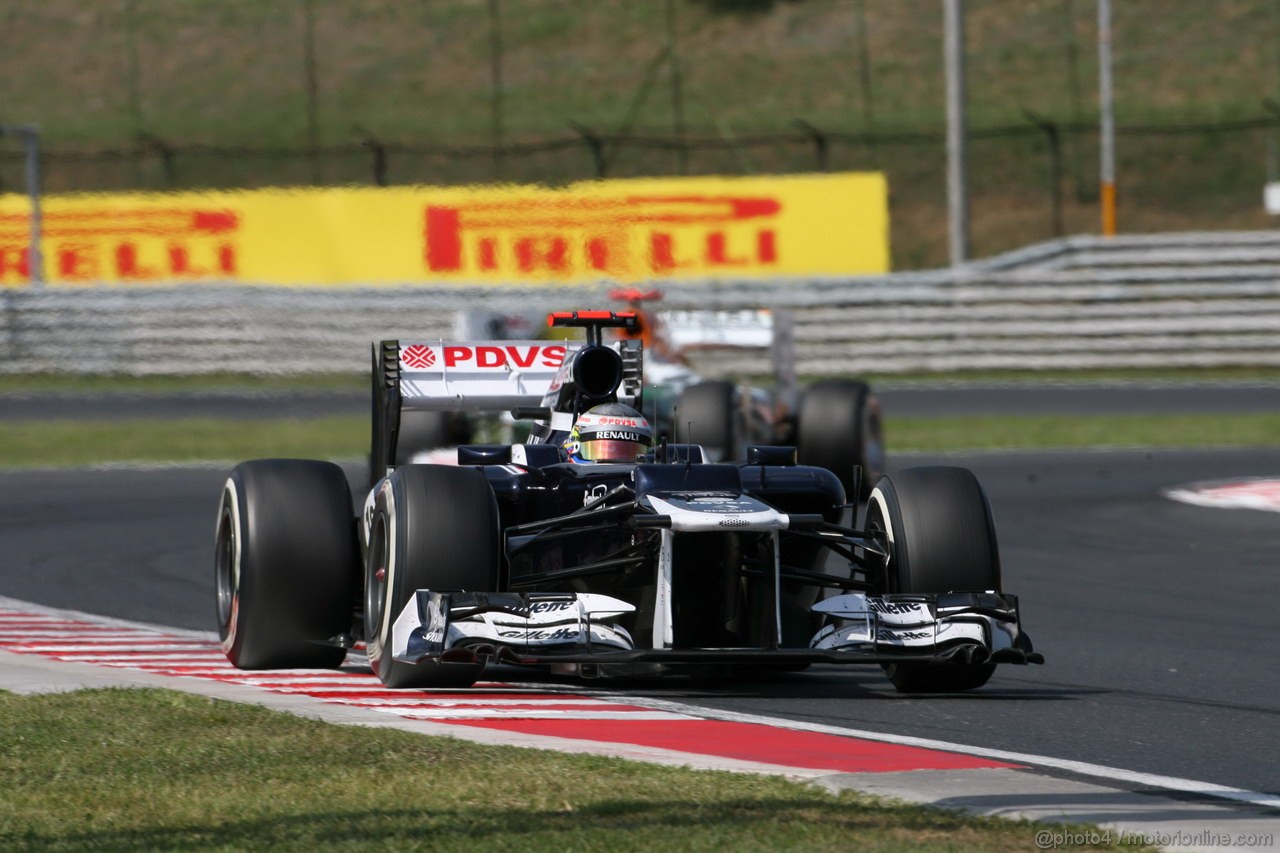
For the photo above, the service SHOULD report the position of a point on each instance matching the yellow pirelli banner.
(625, 230)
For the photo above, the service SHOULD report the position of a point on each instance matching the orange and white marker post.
(1107, 192)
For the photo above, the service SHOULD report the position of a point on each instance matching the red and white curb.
(539, 712)
(1249, 493)
(981, 780)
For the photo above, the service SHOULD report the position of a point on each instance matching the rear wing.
(756, 328)
(690, 329)
(473, 376)
(677, 331)
(476, 376)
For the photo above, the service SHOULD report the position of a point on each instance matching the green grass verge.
(1082, 377)
(27, 444)
(149, 769)
(65, 443)
(67, 383)
(1049, 431)
(163, 78)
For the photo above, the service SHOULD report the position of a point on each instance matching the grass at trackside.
(68, 383)
(1099, 376)
(27, 444)
(70, 443)
(1082, 431)
(164, 77)
(126, 769)
(232, 383)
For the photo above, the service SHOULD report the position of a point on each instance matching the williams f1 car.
(832, 423)
(594, 551)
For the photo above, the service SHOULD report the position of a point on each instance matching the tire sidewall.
(838, 427)
(883, 506)
(905, 543)
(932, 517)
(378, 636)
(726, 429)
(417, 555)
(286, 560)
(229, 581)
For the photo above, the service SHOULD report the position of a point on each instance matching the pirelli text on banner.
(624, 230)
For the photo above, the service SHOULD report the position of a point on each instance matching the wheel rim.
(375, 586)
(224, 566)
(878, 529)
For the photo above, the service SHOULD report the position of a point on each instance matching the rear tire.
(433, 527)
(423, 431)
(706, 414)
(285, 564)
(838, 427)
(941, 537)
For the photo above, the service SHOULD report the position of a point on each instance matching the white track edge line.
(1083, 768)
(1116, 774)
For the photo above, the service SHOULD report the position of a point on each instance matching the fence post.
(595, 143)
(379, 157)
(864, 81)
(150, 143)
(496, 85)
(312, 88)
(1054, 139)
(31, 145)
(1273, 140)
(677, 89)
(960, 238)
(820, 143)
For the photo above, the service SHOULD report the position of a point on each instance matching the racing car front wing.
(569, 628)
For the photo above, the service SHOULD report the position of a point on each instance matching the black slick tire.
(423, 431)
(286, 562)
(433, 527)
(838, 427)
(941, 537)
(706, 415)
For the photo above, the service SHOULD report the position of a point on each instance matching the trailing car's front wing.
(569, 628)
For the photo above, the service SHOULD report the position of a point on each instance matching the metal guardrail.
(1170, 300)
(1090, 251)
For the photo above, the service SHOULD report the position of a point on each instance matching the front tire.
(941, 538)
(838, 427)
(433, 527)
(285, 562)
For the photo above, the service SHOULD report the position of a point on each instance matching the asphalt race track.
(1158, 618)
(904, 400)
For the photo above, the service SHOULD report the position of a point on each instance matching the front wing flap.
(543, 628)
(977, 627)
(444, 625)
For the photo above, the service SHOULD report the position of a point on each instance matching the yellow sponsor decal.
(625, 230)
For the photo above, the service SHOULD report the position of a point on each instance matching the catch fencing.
(1169, 300)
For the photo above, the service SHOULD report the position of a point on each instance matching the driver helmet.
(611, 432)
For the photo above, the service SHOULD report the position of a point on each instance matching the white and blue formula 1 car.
(833, 423)
(518, 554)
